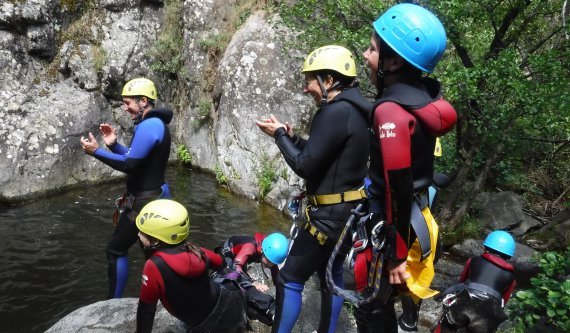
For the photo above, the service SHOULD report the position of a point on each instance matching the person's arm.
(242, 257)
(148, 297)
(148, 134)
(329, 131)
(508, 292)
(465, 274)
(215, 259)
(394, 127)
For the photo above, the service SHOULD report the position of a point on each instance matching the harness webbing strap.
(419, 224)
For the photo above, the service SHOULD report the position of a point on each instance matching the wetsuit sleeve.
(328, 132)
(241, 258)
(509, 291)
(216, 260)
(298, 141)
(118, 148)
(465, 274)
(152, 286)
(148, 135)
(394, 128)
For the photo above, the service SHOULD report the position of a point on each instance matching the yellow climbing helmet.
(139, 87)
(331, 57)
(165, 220)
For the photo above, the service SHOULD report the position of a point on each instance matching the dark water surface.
(52, 251)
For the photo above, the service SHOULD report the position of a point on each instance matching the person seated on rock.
(270, 251)
(476, 304)
(176, 273)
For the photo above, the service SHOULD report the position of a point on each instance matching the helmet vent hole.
(173, 236)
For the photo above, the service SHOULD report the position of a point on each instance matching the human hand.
(397, 272)
(269, 126)
(108, 133)
(260, 286)
(89, 145)
(289, 129)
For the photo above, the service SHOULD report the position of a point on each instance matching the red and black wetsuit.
(404, 125)
(180, 280)
(247, 249)
(487, 282)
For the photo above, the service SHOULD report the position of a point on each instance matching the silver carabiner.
(378, 236)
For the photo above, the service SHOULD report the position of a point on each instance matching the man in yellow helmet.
(333, 163)
(144, 162)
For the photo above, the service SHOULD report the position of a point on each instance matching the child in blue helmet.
(476, 304)
(238, 252)
(270, 251)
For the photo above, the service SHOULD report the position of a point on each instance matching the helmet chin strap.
(325, 93)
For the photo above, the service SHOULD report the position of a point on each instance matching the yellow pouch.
(422, 272)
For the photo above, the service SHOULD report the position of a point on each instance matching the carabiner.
(378, 236)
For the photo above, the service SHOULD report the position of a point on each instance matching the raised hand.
(89, 145)
(108, 133)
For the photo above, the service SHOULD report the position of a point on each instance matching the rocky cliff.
(219, 64)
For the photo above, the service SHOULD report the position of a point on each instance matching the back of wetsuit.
(484, 272)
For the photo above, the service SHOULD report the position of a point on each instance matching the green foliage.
(549, 296)
(469, 227)
(266, 176)
(183, 154)
(220, 176)
(167, 51)
(505, 71)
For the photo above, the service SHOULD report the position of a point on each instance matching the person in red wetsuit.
(475, 305)
(408, 115)
(270, 251)
(176, 273)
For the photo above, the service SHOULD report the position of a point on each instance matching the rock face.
(65, 62)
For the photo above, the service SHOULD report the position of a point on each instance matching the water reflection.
(52, 252)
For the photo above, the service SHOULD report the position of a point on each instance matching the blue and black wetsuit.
(332, 161)
(144, 162)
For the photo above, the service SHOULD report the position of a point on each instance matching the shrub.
(548, 299)
(183, 154)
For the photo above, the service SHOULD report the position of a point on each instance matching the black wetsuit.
(404, 125)
(179, 279)
(333, 160)
(487, 282)
(144, 162)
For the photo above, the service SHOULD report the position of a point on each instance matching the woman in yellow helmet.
(144, 162)
(176, 273)
(333, 163)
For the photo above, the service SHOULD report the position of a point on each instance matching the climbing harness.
(294, 209)
(360, 242)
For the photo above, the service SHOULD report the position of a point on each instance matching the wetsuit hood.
(163, 114)
(354, 97)
(423, 99)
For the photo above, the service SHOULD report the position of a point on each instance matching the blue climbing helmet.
(501, 241)
(414, 33)
(275, 248)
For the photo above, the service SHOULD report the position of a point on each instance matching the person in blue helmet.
(270, 251)
(238, 252)
(476, 304)
(144, 162)
(333, 162)
(408, 114)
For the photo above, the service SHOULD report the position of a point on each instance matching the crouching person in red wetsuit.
(176, 273)
(476, 304)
